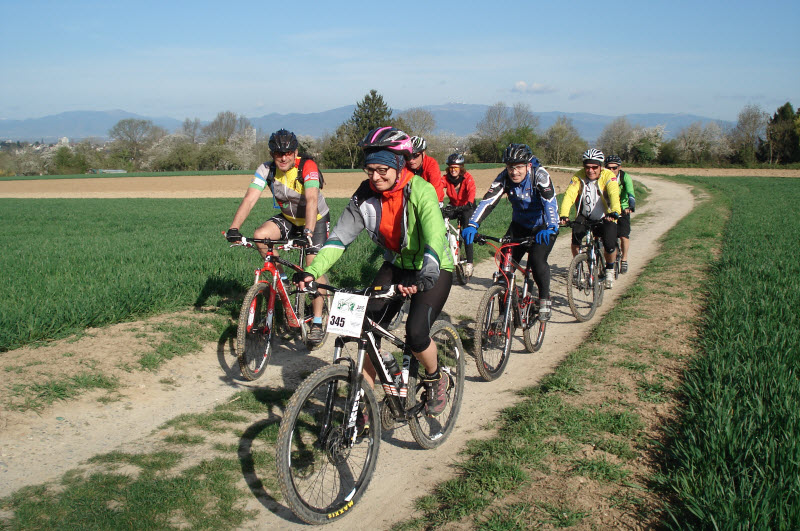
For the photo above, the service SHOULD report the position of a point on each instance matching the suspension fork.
(509, 306)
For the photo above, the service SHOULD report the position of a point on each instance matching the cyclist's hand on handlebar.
(612, 216)
(543, 236)
(407, 291)
(469, 234)
(309, 234)
(233, 235)
(302, 279)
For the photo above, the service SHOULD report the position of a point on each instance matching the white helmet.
(594, 155)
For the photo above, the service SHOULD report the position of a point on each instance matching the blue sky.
(194, 59)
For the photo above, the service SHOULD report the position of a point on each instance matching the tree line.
(230, 142)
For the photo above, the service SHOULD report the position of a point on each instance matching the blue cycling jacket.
(533, 200)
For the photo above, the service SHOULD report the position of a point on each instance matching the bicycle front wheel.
(582, 288)
(533, 333)
(305, 314)
(256, 331)
(461, 275)
(324, 463)
(493, 334)
(430, 432)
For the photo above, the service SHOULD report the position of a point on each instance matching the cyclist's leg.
(623, 233)
(318, 240)
(382, 311)
(609, 237)
(463, 222)
(423, 311)
(272, 229)
(537, 257)
(579, 230)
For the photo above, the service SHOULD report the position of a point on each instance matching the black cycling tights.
(537, 257)
(423, 311)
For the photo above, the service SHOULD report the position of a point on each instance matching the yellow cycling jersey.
(608, 187)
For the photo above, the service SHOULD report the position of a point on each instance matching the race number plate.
(347, 314)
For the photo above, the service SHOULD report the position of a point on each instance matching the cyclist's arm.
(432, 232)
(547, 191)
(312, 197)
(612, 190)
(469, 182)
(347, 229)
(627, 181)
(570, 195)
(430, 172)
(310, 179)
(248, 202)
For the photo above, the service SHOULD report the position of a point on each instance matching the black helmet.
(614, 159)
(517, 154)
(389, 138)
(456, 159)
(282, 141)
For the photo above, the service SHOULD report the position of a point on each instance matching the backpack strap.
(302, 164)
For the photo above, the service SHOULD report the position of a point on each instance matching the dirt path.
(37, 448)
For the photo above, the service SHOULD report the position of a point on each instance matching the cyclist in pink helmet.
(400, 212)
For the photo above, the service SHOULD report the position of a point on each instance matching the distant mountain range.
(457, 118)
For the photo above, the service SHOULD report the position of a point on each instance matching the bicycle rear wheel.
(493, 334)
(323, 467)
(430, 432)
(305, 314)
(582, 288)
(256, 331)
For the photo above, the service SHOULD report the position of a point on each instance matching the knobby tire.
(582, 296)
(323, 474)
(492, 334)
(430, 432)
(255, 333)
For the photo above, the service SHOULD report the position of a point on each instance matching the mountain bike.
(456, 242)
(587, 274)
(261, 320)
(502, 310)
(325, 456)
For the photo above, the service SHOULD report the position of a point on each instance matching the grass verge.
(584, 447)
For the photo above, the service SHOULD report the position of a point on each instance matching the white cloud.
(533, 88)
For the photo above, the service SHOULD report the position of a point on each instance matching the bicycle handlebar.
(451, 210)
(505, 240)
(373, 292)
(286, 245)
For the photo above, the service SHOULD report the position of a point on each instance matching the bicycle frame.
(269, 266)
(395, 391)
(453, 240)
(593, 247)
(507, 269)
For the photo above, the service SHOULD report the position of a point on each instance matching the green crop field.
(735, 458)
(69, 264)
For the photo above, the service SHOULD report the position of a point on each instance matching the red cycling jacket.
(430, 172)
(465, 192)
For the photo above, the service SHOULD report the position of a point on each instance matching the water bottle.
(393, 368)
